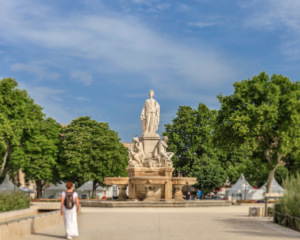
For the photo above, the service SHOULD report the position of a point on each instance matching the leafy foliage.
(290, 203)
(190, 138)
(263, 115)
(91, 151)
(18, 113)
(15, 201)
(209, 173)
(255, 170)
(38, 156)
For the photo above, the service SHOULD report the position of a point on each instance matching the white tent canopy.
(276, 188)
(26, 189)
(87, 189)
(8, 187)
(242, 190)
(241, 184)
(55, 191)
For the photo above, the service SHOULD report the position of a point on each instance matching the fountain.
(150, 167)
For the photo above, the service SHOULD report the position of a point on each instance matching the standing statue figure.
(136, 156)
(163, 157)
(150, 115)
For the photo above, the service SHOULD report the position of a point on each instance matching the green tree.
(209, 173)
(17, 114)
(256, 170)
(39, 154)
(91, 151)
(263, 115)
(289, 204)
(190, 138)
(232, 160)
(293, 163)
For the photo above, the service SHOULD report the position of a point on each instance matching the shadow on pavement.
(241, 227)
(49, 235)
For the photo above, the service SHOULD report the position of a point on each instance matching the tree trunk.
(5, 158)
(18, 178)
(39, 187)
(272, 172)
(270, 179)
(95, 185)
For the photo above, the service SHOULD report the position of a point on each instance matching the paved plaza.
(224, 223)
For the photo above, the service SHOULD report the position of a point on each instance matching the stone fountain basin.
(150, 179)
(158, 182)
(184, 181)
(116, 181)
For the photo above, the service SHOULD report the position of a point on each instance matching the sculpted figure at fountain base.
(136, 156)
(163, 157)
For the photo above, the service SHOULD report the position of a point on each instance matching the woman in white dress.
(70, 215)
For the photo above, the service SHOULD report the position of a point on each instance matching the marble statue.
(163, 157)
(136, 156)
(150, 115)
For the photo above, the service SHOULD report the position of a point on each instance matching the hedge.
(15, 201)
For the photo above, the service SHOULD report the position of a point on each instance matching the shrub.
(289, 203)
(15, 201)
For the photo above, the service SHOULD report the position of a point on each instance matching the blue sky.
(103, 57)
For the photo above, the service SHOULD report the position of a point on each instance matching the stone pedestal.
(150, 193)
(149, 141)
(122, 183)
(131, 191)
(122, 192)
(178, 192)
(168, 183)
(178, 183)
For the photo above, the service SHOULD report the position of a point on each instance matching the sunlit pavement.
(224, 223)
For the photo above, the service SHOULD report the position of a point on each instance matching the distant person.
(188, 196)
(199, 193)
(68, 210)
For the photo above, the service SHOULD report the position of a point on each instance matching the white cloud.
(44, 96)
(201, 24)
(162, 7)
(56, 98)
(83, 99)
(280, 16)
(80, 76)
(38, 71)
(181, 7)
(140, 1)
(119, 44)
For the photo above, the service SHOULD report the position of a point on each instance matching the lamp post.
(245, 187)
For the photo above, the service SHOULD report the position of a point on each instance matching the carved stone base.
(122, 192)
(178, 192)
(150, 193)
(149, 142)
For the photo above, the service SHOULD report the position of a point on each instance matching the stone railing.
(20, 226)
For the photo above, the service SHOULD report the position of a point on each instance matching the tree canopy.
(190, 138)
(262, 114)
(18, 113)
(209, 173)
(38, 156)
(91, 151)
